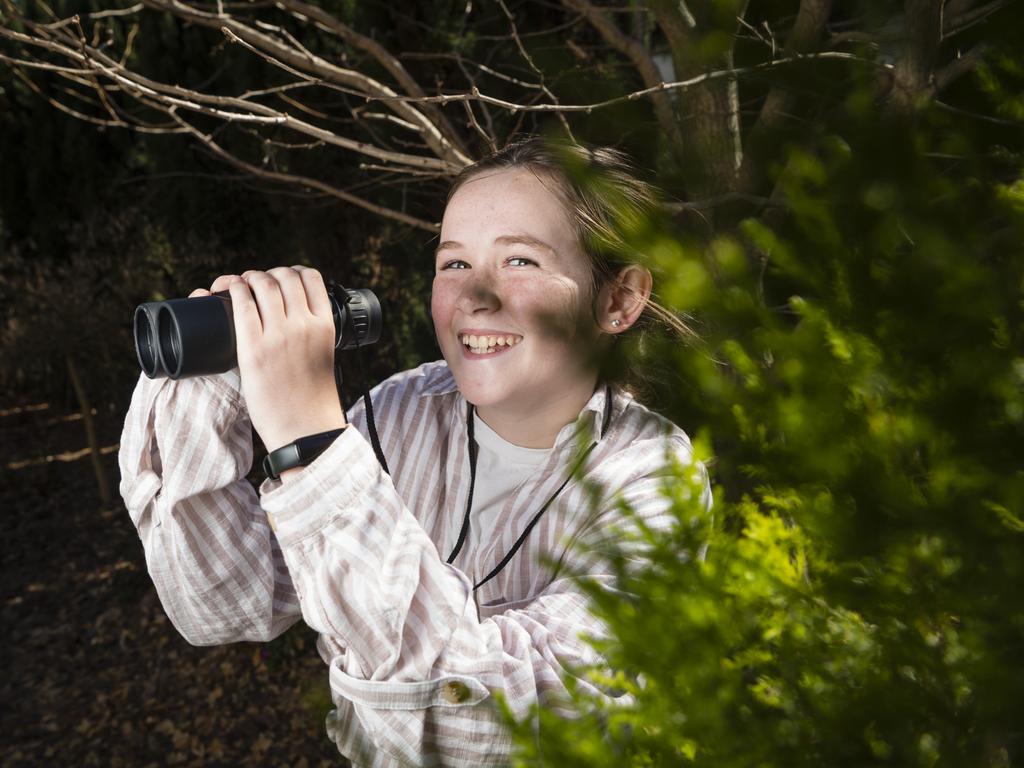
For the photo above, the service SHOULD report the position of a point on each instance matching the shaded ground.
(92, 671)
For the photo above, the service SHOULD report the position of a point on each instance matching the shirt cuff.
(332, 483)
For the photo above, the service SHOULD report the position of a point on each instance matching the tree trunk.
(708, 113)
(913, 78)
(102, 482)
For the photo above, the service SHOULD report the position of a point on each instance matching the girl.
(448, 581)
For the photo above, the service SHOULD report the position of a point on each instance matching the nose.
(479, 293)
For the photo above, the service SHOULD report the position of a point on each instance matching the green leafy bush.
(861, 389)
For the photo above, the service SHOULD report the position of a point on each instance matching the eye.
(454, 264)
(525, 261)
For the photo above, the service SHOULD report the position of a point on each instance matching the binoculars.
(180, 338)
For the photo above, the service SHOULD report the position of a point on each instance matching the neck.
(536, 425)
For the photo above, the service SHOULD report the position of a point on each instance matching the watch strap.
(299, 453)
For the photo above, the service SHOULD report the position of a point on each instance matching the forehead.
(496, 204)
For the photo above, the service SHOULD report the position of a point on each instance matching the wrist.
(290, 474)
(288, 460)
(313, 424)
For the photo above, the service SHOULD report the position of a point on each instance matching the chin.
(480, 394)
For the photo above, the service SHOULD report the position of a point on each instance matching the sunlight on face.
(509, 268)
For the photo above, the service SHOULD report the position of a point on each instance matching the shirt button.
(455, 692)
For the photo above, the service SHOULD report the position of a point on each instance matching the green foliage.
(861, 385)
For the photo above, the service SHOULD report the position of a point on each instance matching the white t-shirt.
(501, 467)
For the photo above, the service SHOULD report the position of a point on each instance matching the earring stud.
(616, 323)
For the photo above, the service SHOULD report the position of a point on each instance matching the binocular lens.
(145, 339)
(170, 341)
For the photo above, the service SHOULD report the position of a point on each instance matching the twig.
(536, 70)
(117, 12)
(477, 127)
(641, 60)
(403, 172)
(57, 104)
(446, 135)
(277, 90)
(290, 178)
(733, 72)
(482, 67)
(363, 115)
(230, 109)
(129, 43)
(979, 116)
(960, 66)
(957, 24)
(288, 56)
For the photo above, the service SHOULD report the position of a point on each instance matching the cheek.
(557, 307)
(441, 303)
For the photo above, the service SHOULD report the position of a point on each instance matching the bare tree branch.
(536, 70)
(117, 12)
(681, 85)
(380, 54)
(492, 145)
(475, 64)
(115, 122)
(959, 66)
(317, 66)
(959, 16)
(303, 181)
(231, 109)
(979, 116)
(367, 101)
(641, 60)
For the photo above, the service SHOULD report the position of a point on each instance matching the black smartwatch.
(298, 454)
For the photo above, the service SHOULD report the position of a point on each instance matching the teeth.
(485, 345)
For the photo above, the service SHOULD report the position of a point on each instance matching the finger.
(248, 326)
(292, 292)
(198, 292)
(316, 291)
(222, 282)
(269, 302)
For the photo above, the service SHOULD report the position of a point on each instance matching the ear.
(621, 300)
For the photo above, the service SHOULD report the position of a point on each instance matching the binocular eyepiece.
(180, 338)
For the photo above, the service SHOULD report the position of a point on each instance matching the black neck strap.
(340, 294)
(464, 532)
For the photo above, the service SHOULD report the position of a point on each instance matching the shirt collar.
(591, 422)
(438, 380)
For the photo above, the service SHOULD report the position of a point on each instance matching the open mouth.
(488, 345)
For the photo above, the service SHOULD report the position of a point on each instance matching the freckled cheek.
(442, 304)
(551, 311)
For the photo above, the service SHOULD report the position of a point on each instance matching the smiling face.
(512, 299)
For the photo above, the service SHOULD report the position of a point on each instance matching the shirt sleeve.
(185, 451)
(412, 666)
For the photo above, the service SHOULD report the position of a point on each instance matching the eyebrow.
(527, 240)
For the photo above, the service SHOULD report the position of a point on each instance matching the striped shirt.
(415, 653)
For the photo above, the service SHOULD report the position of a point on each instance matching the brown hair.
(607, 202)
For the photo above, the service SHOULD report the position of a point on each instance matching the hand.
(284, 334)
